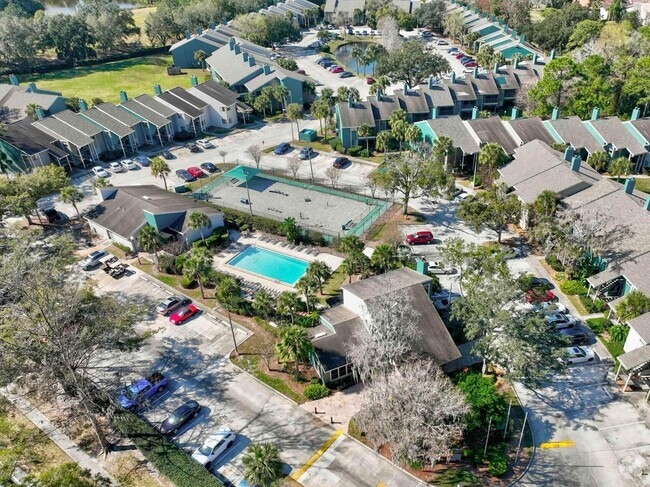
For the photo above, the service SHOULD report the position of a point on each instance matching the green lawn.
(642, 184)
(135, 76)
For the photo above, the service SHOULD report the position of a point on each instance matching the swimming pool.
(269, 264)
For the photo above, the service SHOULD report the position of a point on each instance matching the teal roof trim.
(592, 130)
(553, 133)
(636, 134)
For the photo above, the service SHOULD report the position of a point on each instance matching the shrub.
(123, 248)
(314, 380)
(169, 459)
(573, 287)
(334, 142)
(525, 282)
(483, 398)
(364, 153)
(324, 48)
(355, 150)
(187, 282)
(316, 391)
(599, 324)
(168, 264)
(554, 263)
(497, 463)
(593, 306)
(315, 238)
(618, 333)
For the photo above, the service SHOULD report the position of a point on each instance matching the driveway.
(195, 357)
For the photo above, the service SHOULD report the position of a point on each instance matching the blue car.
(465, 60)
(185, 176)
(282, 148)
(452, 49)
(306, 153)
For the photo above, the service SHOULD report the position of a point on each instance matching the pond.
(343, 55)
(69, 6)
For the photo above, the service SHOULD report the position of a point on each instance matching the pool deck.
(242, 242)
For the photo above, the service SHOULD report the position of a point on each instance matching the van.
(93, 260)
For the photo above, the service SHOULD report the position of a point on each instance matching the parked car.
(93, 259)
(549, 307)
(328, 64)
(314, 45)
(204, 144)
(141, 390)
(144, 160)
(419, 238)
(439, 268)
(370, 80)
(452, 49)
(577, 355)
(185, 176)
(426, 33)
(100, 172)
(301, 71)
(129, 164)
(322, 59)
(345, 74)
(541, 283)
(460, 198)
(192, 147)
(171, 303)
(471, 64)
(574, 336)
(196, 172)
(208, 166)
(214, 445)
(560, 321)
(166, 154)
(459, 55)
(341, 162)
(306, 153)
(282, 148)
(52, 215)
(534, 297)
(336, 70)
(115, 166)
(183, 314)
(443, 301)
(442, 42)
(180, 417)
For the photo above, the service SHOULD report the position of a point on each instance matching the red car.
(337, 69)
(370, 80)
(535, 297)
(471, 64)
(460, 55)
(301, 71)
(183, 314)
(424, 237)
(196, 172)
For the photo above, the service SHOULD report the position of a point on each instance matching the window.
(342, 371)
(223, 109)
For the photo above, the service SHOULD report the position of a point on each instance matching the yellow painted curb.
(557, 444)
(299, 473)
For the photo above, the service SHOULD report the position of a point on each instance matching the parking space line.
(301, 471)
(590, 385)
(620, 425)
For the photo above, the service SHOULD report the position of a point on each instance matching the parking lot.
(195, 358)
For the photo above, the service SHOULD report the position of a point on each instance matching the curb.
(532, 455)
(259, 381)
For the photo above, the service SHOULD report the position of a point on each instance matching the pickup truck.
(141, 390)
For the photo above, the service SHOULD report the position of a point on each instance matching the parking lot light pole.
(232, 330)
(248, 193)
(311, 168)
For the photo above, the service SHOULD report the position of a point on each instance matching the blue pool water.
(272, 265)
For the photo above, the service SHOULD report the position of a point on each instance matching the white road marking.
(620, 425)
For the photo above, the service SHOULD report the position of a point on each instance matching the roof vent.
(320, 335)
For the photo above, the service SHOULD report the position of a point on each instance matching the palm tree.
(350, 267)
(280, 93)
(321, 110)
(306, 284)
(228, 292)
(100, 183)
(264, 304)
(262, 464)
(357, 54)
(198, 221)
(381, 83)
(287, 304)
(372, 51)
(294, 346)
(620, 167)
(442, 149)
(398, 126)
(320, 271)
(323, 35)
(160, 169)
(150, 240)
(364, 132)
(327, 94)
(491, 156)
(197, 266)
(384, 257)
(31, 109)
(383, 141)
(412, 135)
(350, 244)
(199, 56)
(599, 160)
(72, 196)
(294, 113)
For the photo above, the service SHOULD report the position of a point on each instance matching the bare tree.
(333, 173)
(522, 100)
(390, 37)
(415, 410)
(223, 155)
(389, 334)
(371, 183)
(294, 166)
(255, 151)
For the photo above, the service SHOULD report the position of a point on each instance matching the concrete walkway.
(337, 409)
(56, 435)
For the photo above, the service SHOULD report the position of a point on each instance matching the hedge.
(554, 263)
(168, 458)
(316, 391)
(573, 287)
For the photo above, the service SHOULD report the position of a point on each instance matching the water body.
(343, 54)
(69, 6)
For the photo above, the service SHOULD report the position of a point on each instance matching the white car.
(578, 355)
(460, 198)
(129, 164)
(442, 42)
(204, 144)
(115, 167)
(561, 321)
(548, 308)
(217, 443)
(100, 172)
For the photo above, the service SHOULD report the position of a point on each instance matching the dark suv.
(341, 162)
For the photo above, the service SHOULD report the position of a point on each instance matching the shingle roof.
(572, 131)
(218, 92)
(107, 122)
(492, 130)
(157, 107)
(383, 106)
(145, 113)
(358, 114)
(461, 90)
(123, 116)
(188, 97)
(386, 283)
(181, 105)
(484, 84)
(438, 96)
(454, 128)
(231, 67)
(642, 326)
(614, 132)
(14, 99)
(529, 129)
(413, 102)
(636, 358)
(64, 131)
(78, 122)
(348, 6)
(123, 213)
(29, 139)
(642, 125)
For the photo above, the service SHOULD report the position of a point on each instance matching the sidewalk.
(56, 435)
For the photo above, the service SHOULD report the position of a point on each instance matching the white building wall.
(218, 114)
(633, 341)
(105, 233)
(191, 235)
(355, 303)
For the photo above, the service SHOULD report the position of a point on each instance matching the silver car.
(171, 303)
